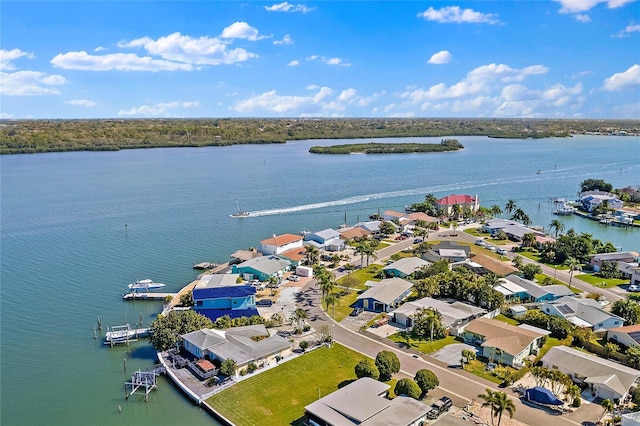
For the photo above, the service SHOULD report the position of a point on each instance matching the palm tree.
(556, 226)
(326, 280)
(503, 403)
(298, 317)
(312, 254)
(574, 265)
(489, 400)
(529, 239)
(510, 207)
(608, 406)
(495, 210)
(456, 211)
(361, 249)
(331, 299)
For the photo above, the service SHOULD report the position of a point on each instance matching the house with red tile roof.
(467, 202)
(278, 244)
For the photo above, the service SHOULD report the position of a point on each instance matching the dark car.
(356, 312)
(417, 241)
(264, 302)
(445, 403)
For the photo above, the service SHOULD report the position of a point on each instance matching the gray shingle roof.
(387, 291)
(407, 265)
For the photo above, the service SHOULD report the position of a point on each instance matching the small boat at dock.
(145, 285)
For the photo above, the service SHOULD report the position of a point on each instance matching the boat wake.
(557, 174)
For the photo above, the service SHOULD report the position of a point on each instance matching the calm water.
(67, 256)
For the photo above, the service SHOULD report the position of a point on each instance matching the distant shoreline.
(39, 136)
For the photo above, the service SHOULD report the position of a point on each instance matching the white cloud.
(81, 102)
(160, 109)
(627, 31)
(8, 56)
(115, 61)
(241, 30)
(625, 80)
(581, 17)
(30, 83)
(577, 6)
(200, 51)
(288, 7)
(293, 63)
(442, 57)
(347, 95)
(5, 115)
(453, 14)
(285, 40)
(99, 49)
(329, 61)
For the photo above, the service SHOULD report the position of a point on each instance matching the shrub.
(304, 345)
(407, 387)
(252, 367)
(388, 364)
(367, 368)
(577, 402)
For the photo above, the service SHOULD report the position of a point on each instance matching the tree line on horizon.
(34, 136)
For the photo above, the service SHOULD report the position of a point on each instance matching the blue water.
(77, 227)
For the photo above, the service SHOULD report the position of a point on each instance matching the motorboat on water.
(145, 285)
(239, 213)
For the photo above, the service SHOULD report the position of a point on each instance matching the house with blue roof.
(217, 295)
(262, 268)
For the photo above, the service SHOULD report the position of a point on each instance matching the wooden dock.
(123, 334)
(138, 295)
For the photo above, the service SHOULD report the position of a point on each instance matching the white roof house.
(583, 313)
(453, 314)
(280, 243)
(385, 295)
(607, 379)
(363, 403)
(405, 266)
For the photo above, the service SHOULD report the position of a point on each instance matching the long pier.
(138, 295)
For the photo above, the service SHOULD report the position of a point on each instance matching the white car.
(502, 251)
(634, 287)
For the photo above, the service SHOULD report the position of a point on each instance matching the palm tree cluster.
(499, 403)
(461, 284)
(516, 213)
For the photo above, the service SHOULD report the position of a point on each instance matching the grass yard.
(475, 232)
(551, 342)
(424, 346)
(343, 305)
(506, 319)
(597, 281)
(479, 368)
(365, 274)
(540, 278)
(529, 255)
(278, 396)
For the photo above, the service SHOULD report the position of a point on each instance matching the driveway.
(451, 354)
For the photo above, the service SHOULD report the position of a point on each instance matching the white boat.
(145, 285)
(239, 213)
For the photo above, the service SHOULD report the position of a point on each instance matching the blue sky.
(119, 59)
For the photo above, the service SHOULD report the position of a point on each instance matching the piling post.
(126, 392)
(95, 335)
(99, 323)
(125, 364)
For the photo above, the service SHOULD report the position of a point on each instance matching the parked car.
(492, 248)
(502, 251)
(294, 278)
(480, 242)
(417, 241)
(633, 287)
(356, 312)
(439, 407)
(264, 302)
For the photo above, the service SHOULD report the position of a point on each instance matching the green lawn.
(506, 319)
(541, 277)
(343, 306)
(475, 232)
(382, 245)
(365, 274)
(278, 396)
(529, 255)
(596, 281)
(551, 342)
(479, 368)
(424, 346)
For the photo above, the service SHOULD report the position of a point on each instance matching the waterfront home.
(596, 260)
(493, 226)
(404, 267)
(503, 343)
(372, 226)
(262, 268)
(606, 379)
(385, 295)
(295, 256)
(218, 295)
(629, 335)
(453, 314)
(364, 402)
(466, 202)
(280, 243)
(583, 313)
(353, 233)
(327, 239)
(590, 200)
(517, 232)
(244, 345)
(393, 215)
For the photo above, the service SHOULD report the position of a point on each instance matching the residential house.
(493, 226)
(385, 295)
(583, 313)
(517, 232)
(606, 379)
(244, 345)
(327, 239)
(502, 342)
(493, 265)
(218, 295)
(454, 314)
(262, 268)
(535, 292)
(627, 269)
(354, 233)
(629, 335)
(404, 267)
(280, 243)
(590, 200)
(635, 276)
(372, 226)
(596, 260)
(450, 251)
(364, 402)
(393, 215)
(295, 256)
(467, 202)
